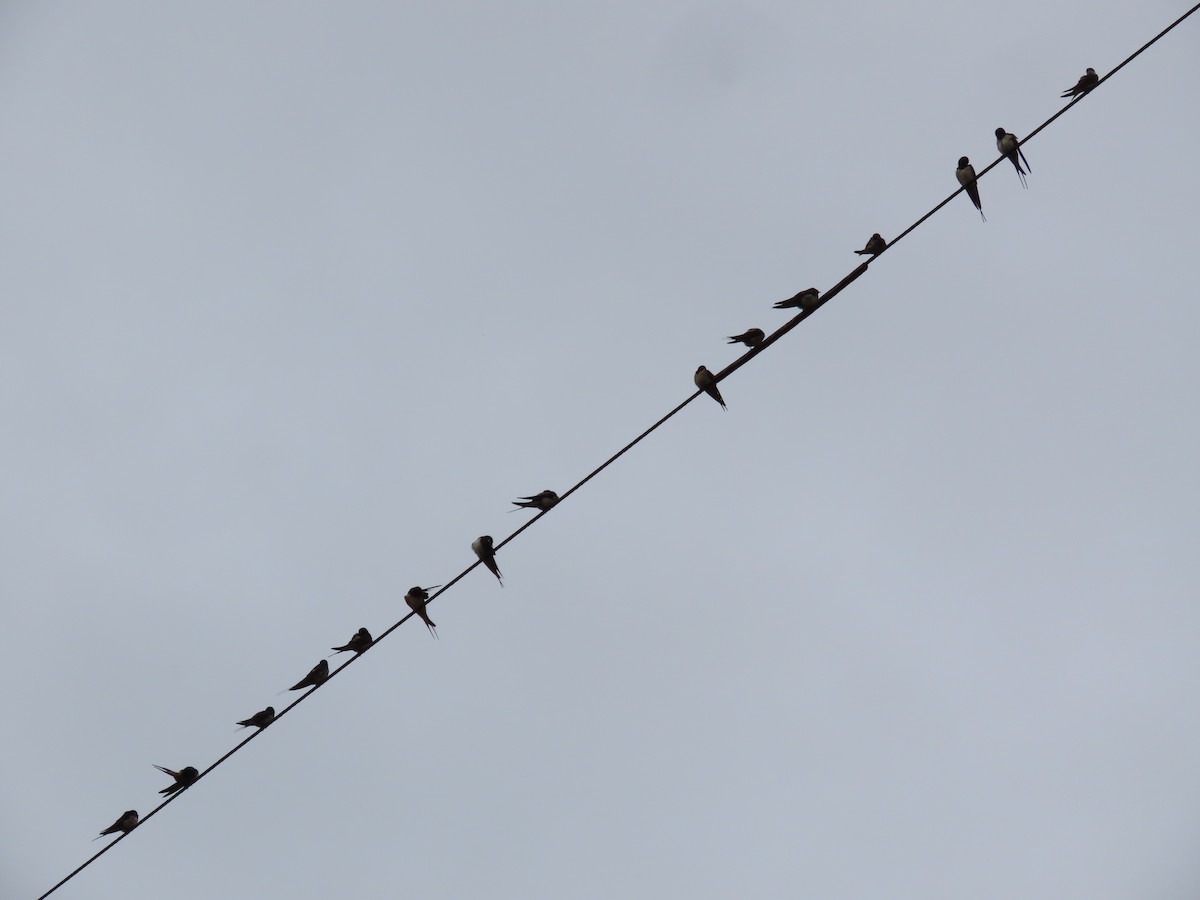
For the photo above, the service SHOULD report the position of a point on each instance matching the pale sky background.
(298, 296)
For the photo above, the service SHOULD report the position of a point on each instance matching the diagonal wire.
(724, 373)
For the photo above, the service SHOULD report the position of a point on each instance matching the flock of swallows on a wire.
(1008, 145)
(417, 597)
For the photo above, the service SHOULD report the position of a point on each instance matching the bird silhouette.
(483, 548)
(966, 177)
(707, 382)
(260, 719)
(751, 337)
(185, 777)
(802, 300)
(361, 641)
(875, 245)
(316, 676)
(543, 501)
(126, 823)
(417, 598)
(1010, 149)
(1086, 82)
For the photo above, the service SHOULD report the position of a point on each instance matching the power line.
(724, 373)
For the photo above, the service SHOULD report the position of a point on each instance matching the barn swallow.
(966, 177)
(751, 337)
(361, 641)
(875, 246)
(260, 719)
(1010, 149)
(417, 598)
(801, 300)
(1086, 82)
(316, 676)
(185, 777)
(706, 381)
(125, 824)
(482, 546)
(543, 501)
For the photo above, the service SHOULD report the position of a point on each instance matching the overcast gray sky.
(298, 296)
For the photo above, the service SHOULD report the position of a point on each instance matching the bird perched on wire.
(1010, 149)
(966, 177)
(185, 777)
(417, 598)
(483, 548)
(803, 300)
(875, 245)
(316, 676)
(707, 382)
(543, 501)
(125, 824)
(751, 337)
(361, 641)
(260, 719)
(1086, 82)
